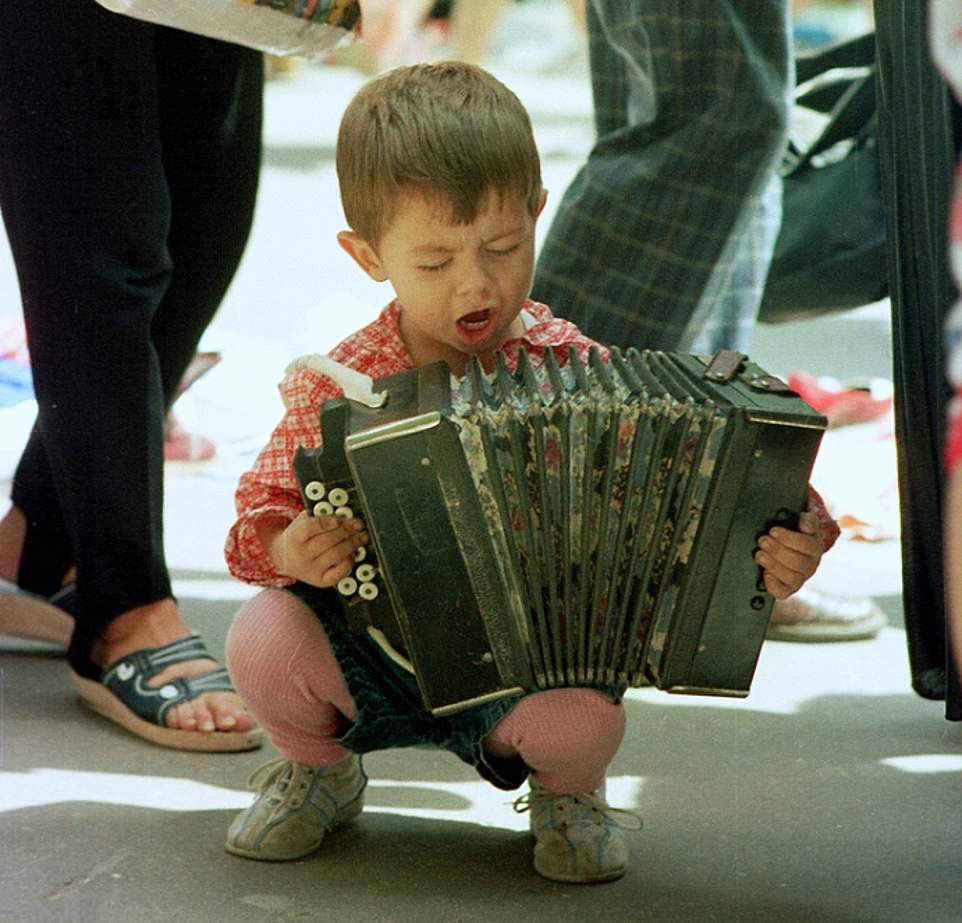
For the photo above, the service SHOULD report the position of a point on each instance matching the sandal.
(123, 695)
(35, 624)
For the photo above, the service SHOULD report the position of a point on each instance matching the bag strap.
(853, 52)
(848, 100)
(850, 117)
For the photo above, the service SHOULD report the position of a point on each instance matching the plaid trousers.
(664, 237)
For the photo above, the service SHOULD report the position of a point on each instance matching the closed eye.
(435, 267)
(505, 251)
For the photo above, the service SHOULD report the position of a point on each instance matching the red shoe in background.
(842, 406)
(179, 445)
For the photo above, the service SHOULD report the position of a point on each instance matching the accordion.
(576, 524)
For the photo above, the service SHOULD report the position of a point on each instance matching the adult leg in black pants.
(129, 158)
(920, 130)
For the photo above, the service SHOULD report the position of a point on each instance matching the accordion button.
(344, 512)
(365, 573)
(360, 553)
(368, 591)
(323, 509)
(347, 586)
(314, 491)
(338, 496)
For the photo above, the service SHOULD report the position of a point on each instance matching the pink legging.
(282, 664)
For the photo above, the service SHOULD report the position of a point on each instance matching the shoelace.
(269, 773)
(627, 820)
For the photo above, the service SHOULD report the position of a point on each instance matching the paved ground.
(831, 793)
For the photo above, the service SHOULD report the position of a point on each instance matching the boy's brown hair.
(448, 131)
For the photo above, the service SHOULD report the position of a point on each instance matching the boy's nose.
(474, 281)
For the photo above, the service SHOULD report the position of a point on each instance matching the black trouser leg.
(98, 129)
(919, 129)
(212, 155)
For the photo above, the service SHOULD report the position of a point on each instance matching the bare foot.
(22, 615)
(26, 617)
(155, 625)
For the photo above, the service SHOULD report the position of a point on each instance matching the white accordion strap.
(381, 639)
(356, 385)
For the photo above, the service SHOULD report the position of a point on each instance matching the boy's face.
(461, 287)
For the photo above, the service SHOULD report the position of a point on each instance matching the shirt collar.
(543, 329)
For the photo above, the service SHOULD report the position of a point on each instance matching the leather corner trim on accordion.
(566, 525)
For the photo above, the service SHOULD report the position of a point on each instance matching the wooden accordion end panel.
(566, 525)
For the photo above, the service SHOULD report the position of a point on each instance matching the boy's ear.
(363, 254)
(541, 201)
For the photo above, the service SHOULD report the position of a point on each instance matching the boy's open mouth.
(476, 320)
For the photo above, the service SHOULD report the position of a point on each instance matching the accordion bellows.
(567, 525)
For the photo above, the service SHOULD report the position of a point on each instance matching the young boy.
(441, 185)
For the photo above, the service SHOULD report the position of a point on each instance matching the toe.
(211, 712)
(182, 717)
(193, 715)
(229, 712)
(203, 714)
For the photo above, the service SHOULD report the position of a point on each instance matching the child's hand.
(318, 550)
(789, 558)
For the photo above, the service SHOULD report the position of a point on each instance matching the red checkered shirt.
(270, 490)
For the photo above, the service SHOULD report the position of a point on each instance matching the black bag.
(830, 254)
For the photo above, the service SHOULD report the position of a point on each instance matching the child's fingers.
(789, 567)
(808, 523)
(788, 558)
(335, 548)
(775, 569)
(331, 576)
(778, 588)
(336, 543)
(796, 541)
(321, 573)
(330, 523)
(771, 554)
(306, 526)
(315, 525)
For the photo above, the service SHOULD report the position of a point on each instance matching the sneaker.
(576, 836)
(297, 804)
(811, 615)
